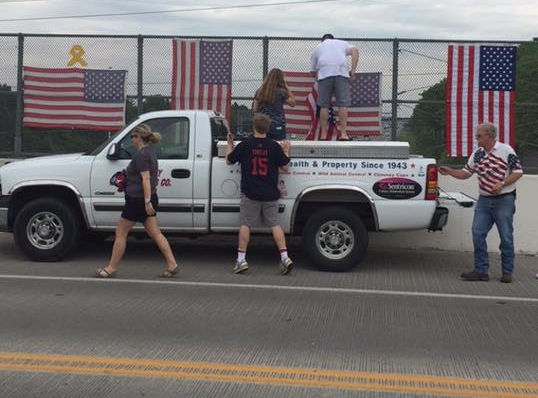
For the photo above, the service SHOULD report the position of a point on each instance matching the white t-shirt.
(329, 58)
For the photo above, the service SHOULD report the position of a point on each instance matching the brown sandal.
(103, 273)
(169, 273)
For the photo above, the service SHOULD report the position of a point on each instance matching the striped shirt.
(493, 167)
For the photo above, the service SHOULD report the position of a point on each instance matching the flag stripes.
(64, 98)
(472, 98)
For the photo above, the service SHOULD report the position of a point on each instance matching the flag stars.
(497, 72)
(104, 85)
(215, 62)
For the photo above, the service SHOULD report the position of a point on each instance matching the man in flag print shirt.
(498, 168)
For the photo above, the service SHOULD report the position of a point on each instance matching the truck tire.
(47, 229)
(335, 239)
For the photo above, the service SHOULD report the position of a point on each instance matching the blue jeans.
(499, 211)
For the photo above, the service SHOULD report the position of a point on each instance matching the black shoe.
(506, 278)
(475, 276)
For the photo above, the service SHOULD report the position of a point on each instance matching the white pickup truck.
(333, 194)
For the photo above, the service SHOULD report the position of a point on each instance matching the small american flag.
(315, 128)
(480, 88)
(364, 114)
(202, 75)
(71, 98)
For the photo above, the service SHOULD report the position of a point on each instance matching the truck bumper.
(439, 219)
(4, 209)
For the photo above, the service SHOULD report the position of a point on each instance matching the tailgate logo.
(397, 188)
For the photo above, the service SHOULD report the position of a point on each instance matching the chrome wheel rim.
(335, 239)
(45, 230)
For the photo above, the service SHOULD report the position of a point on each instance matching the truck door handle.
(181, 173)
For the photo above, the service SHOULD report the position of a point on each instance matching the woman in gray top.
(141, 202)
(270, 99)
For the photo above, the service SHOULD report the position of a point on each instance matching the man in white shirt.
(328, 63)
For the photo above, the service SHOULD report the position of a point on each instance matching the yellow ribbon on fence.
(77, 52)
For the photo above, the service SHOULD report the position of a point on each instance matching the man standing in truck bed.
(328, 64)
(260, 158)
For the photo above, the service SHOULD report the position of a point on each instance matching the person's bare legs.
(324, 123)
(152, 228)
(342, 116)
(244, 238)
(279, 237)
(286, 263)
(120, 243)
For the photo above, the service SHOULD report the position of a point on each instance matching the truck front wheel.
(46, 229)
(335, 239)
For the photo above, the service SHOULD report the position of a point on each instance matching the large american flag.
(72, 98)
(480, 88)
(202, 75)
(364, 114)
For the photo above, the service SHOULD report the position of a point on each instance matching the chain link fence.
(412, 71)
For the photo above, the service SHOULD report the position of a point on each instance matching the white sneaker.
(240, 266)
(285, 266)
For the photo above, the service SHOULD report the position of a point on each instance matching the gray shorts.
(251, 212)
(337, 85)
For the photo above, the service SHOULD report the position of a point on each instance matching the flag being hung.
(72, 98)
(364, 114)
(480, 88)
(202, 75)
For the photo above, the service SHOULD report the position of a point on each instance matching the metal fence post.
(140, 77)
(265, 56)
(17, 142)
(394, 110)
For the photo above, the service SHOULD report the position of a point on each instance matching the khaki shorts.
(251, 212)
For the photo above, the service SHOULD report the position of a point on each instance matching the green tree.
(156, 103)
(149, 104)
(131, 111)
(527, 96)
(241, 118)
(426, 127)
(8, 101)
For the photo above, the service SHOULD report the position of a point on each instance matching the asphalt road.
(401, 325)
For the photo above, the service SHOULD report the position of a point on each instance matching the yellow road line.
(312, 378)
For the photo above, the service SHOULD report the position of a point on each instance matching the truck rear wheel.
(335, 239)
(46, 229)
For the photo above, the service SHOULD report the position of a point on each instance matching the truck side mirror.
(113, 152)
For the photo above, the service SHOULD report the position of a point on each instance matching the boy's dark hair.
(327, 36)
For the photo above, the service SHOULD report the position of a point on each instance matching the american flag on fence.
(72, 98)
(202, 75)
(364, 114)
(480, 88)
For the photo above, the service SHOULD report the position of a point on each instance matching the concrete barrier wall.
(457, 234)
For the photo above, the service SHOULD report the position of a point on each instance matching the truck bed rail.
(345, 150)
